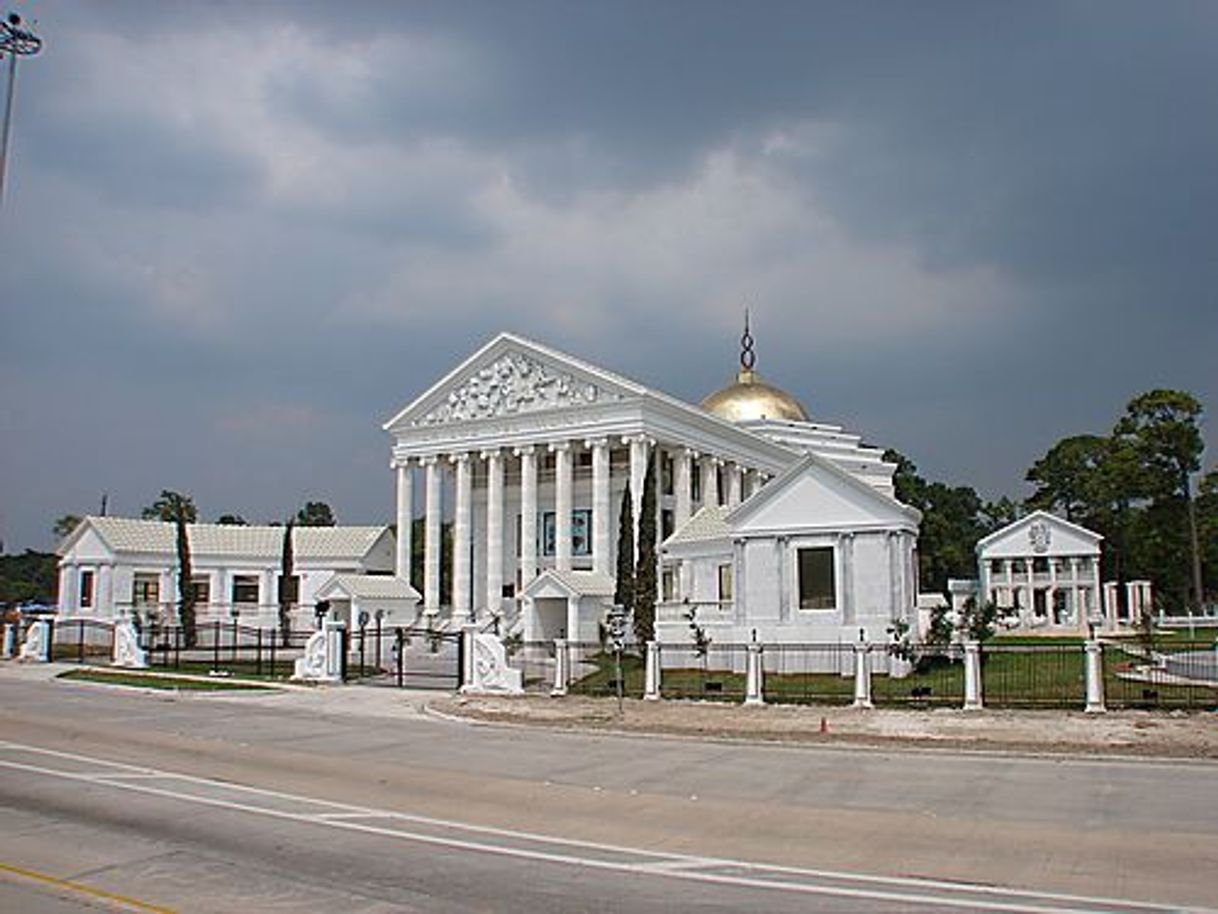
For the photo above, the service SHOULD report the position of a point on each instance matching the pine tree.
(645, 589)
(623, 592)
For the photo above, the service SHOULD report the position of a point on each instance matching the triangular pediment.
(814, 494)
(1039, 533)
(513, 376)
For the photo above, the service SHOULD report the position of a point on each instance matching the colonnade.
(489, 466)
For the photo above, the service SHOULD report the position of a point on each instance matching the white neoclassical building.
(529, 450)
(1043, 571)
(109, 566)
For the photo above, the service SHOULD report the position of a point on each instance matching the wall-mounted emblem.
(1039, 536)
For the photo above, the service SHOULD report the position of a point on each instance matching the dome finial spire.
(748, 358)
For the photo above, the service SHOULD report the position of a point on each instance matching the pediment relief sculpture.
(514, 384)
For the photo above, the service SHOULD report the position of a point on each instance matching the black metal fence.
(224, 647)
(1182, 674)
(81, 640)
(405, 657)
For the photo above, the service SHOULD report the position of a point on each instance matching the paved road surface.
(355, 800)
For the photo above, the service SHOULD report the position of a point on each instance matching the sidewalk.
(1173, 734)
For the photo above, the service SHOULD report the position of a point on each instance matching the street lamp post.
(15, 41)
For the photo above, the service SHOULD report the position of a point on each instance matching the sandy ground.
(1146, 733)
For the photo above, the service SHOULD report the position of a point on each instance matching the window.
(817, 587)
(581, 532)
(201, 585)
(86, 588)
(996, 566)
(1040, 565)
(146, 589)
(245, 588)
(725, 583)
(1019, 566)
(289, 589)
(668, 585)
(667, 524)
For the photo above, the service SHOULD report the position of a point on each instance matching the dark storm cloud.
(283, 220)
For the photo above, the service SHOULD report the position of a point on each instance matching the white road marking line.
(680, 866)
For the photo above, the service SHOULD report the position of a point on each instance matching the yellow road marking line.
(84, 889)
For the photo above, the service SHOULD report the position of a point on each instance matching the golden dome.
(750, 397)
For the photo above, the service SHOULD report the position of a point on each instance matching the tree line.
(1133, 486)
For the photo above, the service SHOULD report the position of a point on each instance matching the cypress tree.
(286, 595)
(645, 571)
(186, 589)
(623, 591)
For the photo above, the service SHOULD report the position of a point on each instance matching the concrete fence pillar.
(10, 639)
(335, 636)
(562, 667)
(1094, 654)
(754, 681)
(651, 684)
(862, 676)
(973, 700)
(468, 631)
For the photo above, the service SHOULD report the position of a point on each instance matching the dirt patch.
(1176, 734)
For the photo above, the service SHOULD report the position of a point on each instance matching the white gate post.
(862, 676)
(754, 684)
(10, 639)
(651, 687)
(1094, 653)
(561, 666)
(972, 676)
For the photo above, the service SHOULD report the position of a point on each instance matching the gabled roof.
(368, 587)
(709, 523)
(154, 537)
(502, 345)
(572, 583)
(1045, 517)
(860, 492)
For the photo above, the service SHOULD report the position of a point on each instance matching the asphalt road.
(356, 800)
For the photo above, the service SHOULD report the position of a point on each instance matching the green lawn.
(169, 683)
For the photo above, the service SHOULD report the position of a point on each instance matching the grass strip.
(170, 683)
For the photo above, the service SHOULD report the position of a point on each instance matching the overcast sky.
(237, 237)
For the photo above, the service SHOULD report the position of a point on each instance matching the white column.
(405, 517)
(638, 474)
(528, 514)
(710, 481)
(104, 604)
(431, 537)
(561, 664)
(602, 509)
(752, 482)
(494, 531)
(684, 459)
(461, 539)
(733, 485)
(67, 593)
(562, 506)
